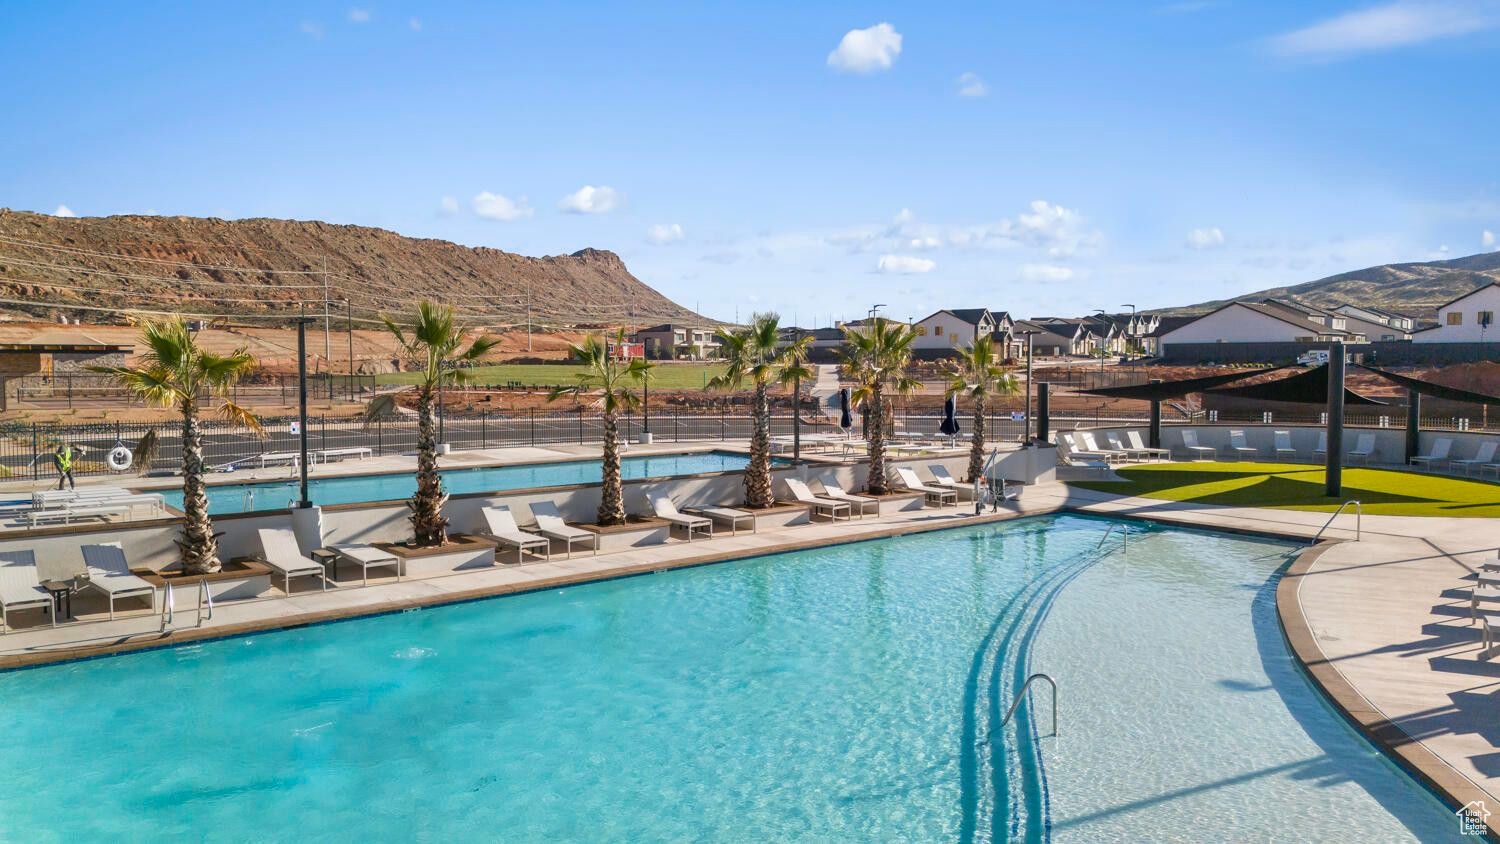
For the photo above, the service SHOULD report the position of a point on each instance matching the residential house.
(941, 332)
(1268, 321)
(1467, 319)
(1374, 323)
(1046, 339)
(679, 342)
(1082, 340)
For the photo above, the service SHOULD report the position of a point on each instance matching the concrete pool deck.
(1381, 624)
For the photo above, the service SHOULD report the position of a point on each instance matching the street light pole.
(304, 501)
(349, 315)
(1029, 336)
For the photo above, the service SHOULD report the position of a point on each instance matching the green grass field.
(665, 377)
(1285, 486)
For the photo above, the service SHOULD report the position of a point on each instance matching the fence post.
(676, 415)
(35, 454)
(532, 426)
(721, 423)
(580, 426)
(484, 429)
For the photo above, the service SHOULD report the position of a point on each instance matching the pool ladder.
(1124, 537)
(1021, 695)
(205, 601)
(1359, 517)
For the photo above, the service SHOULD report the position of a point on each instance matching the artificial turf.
(1300, 487)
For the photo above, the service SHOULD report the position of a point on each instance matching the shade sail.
(1437, 391)
(1310, 387)
(1173, 389)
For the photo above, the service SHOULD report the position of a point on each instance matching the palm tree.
(175, 373)
(974, 373)
(875, 356)
(754, 354)
(614, 378)
(436, 343)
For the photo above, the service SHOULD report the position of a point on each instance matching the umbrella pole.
(1154, 435)
(1413, 424)
(1334, 474)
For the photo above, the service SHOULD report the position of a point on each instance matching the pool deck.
(1381, 624)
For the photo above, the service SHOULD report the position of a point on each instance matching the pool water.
(847, 693)
(242, 498)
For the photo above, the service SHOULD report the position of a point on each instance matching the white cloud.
(1059, 231)
(1487, 240)
(1205, 238)
(63, 211)
(493, 206)
(1045, 272)
(359, 15)
(447, 206)
(927, 242)
(1397, 24)
(866, 50)
(664, 233)
(311, 28)
(415, 24)
(592, 200)
(970, 85)
(904, 265)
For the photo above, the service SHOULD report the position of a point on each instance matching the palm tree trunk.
(427, 520)
(976, 445)
(878, 483)
(611, 493)
(200, 551)
(758, 473)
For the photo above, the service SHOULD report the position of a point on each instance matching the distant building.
(1045, 341)
(1265, 322)
(673, 341)
(1468, 319)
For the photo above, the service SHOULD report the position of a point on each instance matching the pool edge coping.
(1408, 752)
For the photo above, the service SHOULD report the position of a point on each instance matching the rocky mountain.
(259, 269)
(1416, 289)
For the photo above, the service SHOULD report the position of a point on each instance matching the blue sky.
(809, 158)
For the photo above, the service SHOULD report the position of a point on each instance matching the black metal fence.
(79, 390)
(26, 448)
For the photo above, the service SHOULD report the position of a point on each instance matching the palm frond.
(145, 452)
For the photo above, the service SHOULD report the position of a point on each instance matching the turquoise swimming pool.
(250, 497)
(845, 693)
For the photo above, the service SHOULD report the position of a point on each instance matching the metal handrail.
(1021, 695)
(204, 595)
(1124, 536)
(1359, 517)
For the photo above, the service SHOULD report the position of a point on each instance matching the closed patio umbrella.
(949, 426)
(845, 420)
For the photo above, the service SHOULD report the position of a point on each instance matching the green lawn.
(1300, 487)
(666, 377)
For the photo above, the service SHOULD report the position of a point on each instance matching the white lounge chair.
(1283, 443)
(728, 515)
(500, 525)
(1485, 456)
(830, 507)
(664, 508)
(1439, 454)
(1238, 445)
(1190, 442)
(364, 556)
(1075, 449)
(943, 478)
(280, 551)
(1117, 443)
(109, 572)
(1139, 445)
(1364, 447)
(857, 503)
(936, 494)
(549, 523)
(1091, 446)
(20, 589)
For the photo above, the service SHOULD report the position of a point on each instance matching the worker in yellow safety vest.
(63, 458)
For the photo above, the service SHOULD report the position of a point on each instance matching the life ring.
(119, 458)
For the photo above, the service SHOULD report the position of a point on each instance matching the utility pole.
(327, 321)
(304, 502)
(349, 317)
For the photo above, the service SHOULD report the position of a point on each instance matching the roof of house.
(1284, 314)
(1169, 323)
(972, 316)
(1024, 325)
(1470, 293)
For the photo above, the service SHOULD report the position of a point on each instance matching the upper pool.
(844, 693)
(353, 489)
